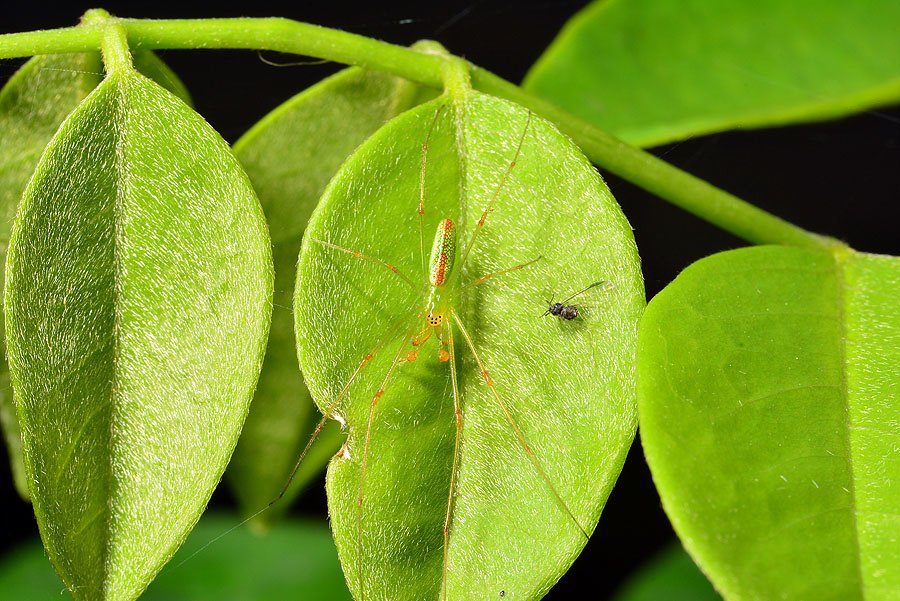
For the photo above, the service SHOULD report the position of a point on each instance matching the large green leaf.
(138, 298)
(33, 104)
(653, 71)
(295, 560)
(568, 385)
(770, 403)
(290, 155)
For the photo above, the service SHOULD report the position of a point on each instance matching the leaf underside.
(768, 395)
(567, 385)
(33, 103)
(138, 297)
(290, 156)
(655, 71)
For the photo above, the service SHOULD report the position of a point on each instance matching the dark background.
(841, 178)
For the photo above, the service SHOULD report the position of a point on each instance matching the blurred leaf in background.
(293, 560)
(670, 576)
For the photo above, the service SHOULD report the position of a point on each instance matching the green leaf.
(567, 385)
(290, 155)
(769, 399)
(138, 299)
(654, 71)
(294, 557)
(33, 104)
(148, 64)
(670, 576)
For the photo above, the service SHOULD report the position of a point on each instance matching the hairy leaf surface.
(33, 104)
(654, 71)
(770, 415)
(138, 299)
(568, 386)
(290, 155)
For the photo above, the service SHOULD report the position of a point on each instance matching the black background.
(840, 178)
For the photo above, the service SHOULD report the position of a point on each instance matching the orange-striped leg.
(490, 206)
(512, 422)
(362, 471)
(369, 258)
(488, 276)
(457, 413)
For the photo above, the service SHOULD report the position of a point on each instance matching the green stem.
(679, 187)
(457, 81)
(283, 35)
(50, 41)
(116, 55)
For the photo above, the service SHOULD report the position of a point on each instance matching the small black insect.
(566, 311)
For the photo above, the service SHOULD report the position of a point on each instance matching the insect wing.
(591, 301)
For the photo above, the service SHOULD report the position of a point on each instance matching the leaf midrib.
(120, 123)
(839, 257)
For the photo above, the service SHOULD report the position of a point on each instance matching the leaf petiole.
(114, 47)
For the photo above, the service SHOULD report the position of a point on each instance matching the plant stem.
(284, 35)
(50, 41)
(116, 55)
(641, 168)
(457, 81)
